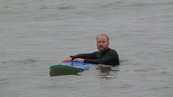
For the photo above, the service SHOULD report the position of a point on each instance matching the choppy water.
(35, 34)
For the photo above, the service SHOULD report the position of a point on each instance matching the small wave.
(4, 79)
(65, 6)
(60, 6)
(26, 61)
(110, 4)
(107, 71)
(123, 61)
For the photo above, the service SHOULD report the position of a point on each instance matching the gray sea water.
(35, 34)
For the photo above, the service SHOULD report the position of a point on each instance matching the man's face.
(102, 43)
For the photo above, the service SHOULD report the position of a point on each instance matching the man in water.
(105, 55)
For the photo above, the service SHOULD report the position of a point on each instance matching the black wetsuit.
(108, 57)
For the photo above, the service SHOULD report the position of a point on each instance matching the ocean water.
(35, 34)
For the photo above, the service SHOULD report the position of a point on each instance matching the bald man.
(104, 55)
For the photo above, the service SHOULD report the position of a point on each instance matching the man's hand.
(79, 59)
(68, 59)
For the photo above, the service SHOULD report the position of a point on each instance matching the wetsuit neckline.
(105, 51)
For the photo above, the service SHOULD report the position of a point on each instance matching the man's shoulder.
(112, 51)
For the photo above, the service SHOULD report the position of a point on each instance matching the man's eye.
(101, 41)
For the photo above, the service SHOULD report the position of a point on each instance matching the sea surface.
(35, 34)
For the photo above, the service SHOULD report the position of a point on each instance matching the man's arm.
(80, 57)
(85, 56)
(67, 59)
(110, 58)
(103, 60)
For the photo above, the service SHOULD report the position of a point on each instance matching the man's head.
(102, 42)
